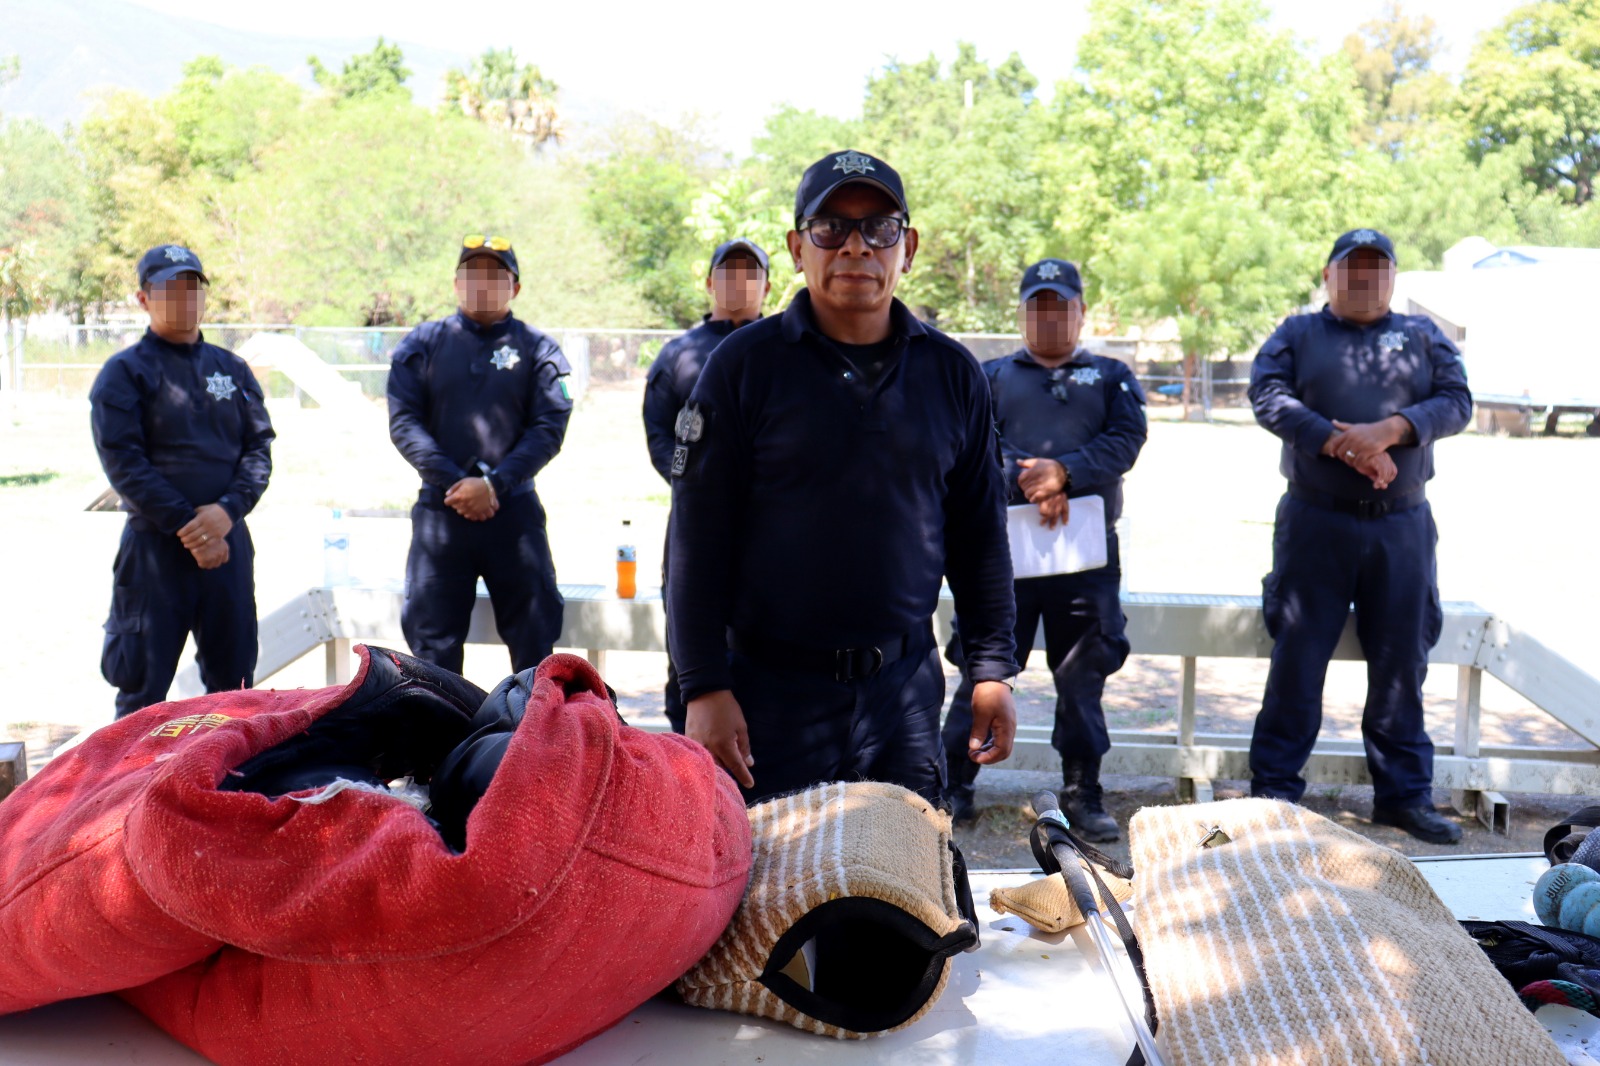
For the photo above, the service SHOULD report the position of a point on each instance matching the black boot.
(1081, 796)
(1423, 822)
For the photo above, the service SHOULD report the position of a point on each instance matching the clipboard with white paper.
(1078, 544)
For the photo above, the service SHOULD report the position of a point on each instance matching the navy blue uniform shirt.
(671, 379)
(180, 425)
(812, 509)
(459, 391)
(1318, 368)
(1096, 432)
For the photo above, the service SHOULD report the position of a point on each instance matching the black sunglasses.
(878, 231)
(1056, 385)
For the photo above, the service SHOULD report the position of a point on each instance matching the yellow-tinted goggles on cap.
(494, 244)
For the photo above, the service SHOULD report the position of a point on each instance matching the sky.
(733, 63)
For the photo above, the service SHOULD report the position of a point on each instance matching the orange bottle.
(627, 564)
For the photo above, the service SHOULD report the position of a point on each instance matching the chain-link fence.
(64, 360)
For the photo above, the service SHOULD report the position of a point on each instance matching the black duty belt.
(842, 664)
(1359, 508)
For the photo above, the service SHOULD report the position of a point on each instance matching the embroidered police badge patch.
(1049, 271)
(1085, 376)
(680, 459)
(505, 357)
(853, 162)
(221, 386)
(691, 424)
(1393, 341)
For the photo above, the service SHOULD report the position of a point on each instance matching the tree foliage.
(1534, 84)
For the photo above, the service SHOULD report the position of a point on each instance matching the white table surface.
(1022, 998)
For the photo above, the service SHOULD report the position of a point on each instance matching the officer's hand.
(211, 554)
(1041, 478)
(1381, 469)
(1357, 443)
(994, 723)
(717, 722)
(472, 499)
(209, 524)
(1053, 510)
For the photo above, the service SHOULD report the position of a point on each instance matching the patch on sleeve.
(691, 424)
(680, 459)
(566, 393)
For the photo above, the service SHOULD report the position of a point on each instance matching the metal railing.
(63, 360)
(1190, 627)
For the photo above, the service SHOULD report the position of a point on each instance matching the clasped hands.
(1364, 447)
(1044, 483)
(473, 498)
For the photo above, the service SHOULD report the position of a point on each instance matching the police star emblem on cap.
(1363, 236)
(853, 162)
(176, 254)
(1049, 272)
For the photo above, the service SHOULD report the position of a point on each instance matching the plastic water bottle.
(336, 552)
(627, 564)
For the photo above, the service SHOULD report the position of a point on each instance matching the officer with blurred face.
(1071, 424)
(834, 463)
(1358, 394)
(737, 284)
(184, 437)
(478, 403)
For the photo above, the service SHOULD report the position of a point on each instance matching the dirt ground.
(1517, 520)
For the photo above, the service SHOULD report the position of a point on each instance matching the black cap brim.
(486, 252)
(1066, 292)
(167, 273)
(1339, 257)
(816, 202)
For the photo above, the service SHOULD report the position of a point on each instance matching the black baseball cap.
(165, 262)
(1357, 239)
(837, 169)
(1056, 275)
(738, 244)
(474, 245)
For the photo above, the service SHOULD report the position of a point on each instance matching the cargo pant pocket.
(122, 659)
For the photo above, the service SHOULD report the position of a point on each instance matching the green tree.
(1392, 60)
(641, 195)
(1534, 82)
(508, 95)
(380, 72)
(1213, 261)
(357, 216)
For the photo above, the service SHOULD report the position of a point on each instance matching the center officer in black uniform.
(1358, 394)
(185, 440)
(738, 286)
(478, 403)
(833, 464)
(1071, 425)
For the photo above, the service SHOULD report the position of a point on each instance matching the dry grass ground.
(1517, 518)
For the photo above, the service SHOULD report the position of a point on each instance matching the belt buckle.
(845, 661)
(1372, 508)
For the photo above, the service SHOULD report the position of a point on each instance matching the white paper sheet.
(1080, 544)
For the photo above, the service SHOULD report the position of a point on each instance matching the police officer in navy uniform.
(834, 462)
(738, 286)
(1071, 425)
(1358, 394)
(478, 403)
(186, 443)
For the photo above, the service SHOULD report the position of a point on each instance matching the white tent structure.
(1525, 320)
